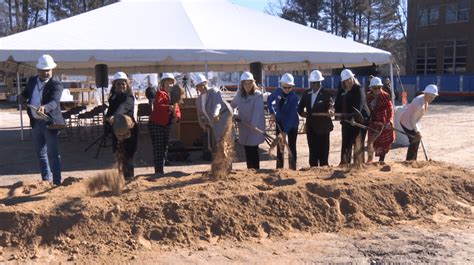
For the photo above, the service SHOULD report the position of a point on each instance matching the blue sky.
(255, 4)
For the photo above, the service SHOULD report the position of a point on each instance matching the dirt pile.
(247, 205)
(111, 180)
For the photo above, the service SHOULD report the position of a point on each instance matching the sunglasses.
(287, 87)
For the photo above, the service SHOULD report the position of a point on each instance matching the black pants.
(124, 152)
(125, 164)
(252, 157)
(351, 136)
(292, 135)
(412, 152)
(318, 144)
(160, 136)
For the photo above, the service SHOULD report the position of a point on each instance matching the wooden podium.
(188, 130)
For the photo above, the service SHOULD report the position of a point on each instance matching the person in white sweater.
(410, 119)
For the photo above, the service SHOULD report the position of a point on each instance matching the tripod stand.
(102, 140)
(187, 89)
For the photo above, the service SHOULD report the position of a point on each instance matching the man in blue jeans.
(42, 94)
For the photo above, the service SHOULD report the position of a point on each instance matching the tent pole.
(392, 90)
(308, 69)
(19, 103)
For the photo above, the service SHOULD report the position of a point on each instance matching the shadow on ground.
(18, 157)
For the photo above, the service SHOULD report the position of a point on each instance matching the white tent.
(181, 35)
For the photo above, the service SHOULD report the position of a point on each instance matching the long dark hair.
(244, 93)
(128, 90)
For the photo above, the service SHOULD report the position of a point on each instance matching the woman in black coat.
(122, 102)
(349, 100)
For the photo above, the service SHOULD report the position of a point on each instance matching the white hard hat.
(375, 81)
(346, 74)
(167, 76)
(120, 75)
(46, 62)
(431, 89)
(199, 79)
(246, 76)
(316, 76)
(287, 79)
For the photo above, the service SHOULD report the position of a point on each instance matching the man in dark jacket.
(316, 101)
(42, 94)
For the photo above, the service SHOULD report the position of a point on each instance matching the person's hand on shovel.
(110, 120)
(41, 111)
(215, 119)
(417, 137)
(272, 118)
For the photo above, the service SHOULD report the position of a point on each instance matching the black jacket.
(346, 102)
(121, 103)
(322, 104)
(52, 92)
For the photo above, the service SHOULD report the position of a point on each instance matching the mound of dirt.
(248, 205)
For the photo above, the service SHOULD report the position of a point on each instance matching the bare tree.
(47, 11)
(10, 16)
(17, 14)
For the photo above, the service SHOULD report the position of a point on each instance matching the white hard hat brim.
(46, 67)
(314, 80)
(347, 77)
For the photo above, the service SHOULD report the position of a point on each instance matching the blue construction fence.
(445, 83)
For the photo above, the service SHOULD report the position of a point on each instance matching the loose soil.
(189, 211)
(418, 212)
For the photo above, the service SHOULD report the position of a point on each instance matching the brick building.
(440, 36)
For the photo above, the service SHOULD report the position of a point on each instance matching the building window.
(457, 12)
(455, 57)
(426, 58)
(463, 10)
(429, 16)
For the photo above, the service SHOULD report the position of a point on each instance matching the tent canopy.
(181, 35)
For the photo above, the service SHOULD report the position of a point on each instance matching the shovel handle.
(362, 126)
(255, 129)
(424, 149)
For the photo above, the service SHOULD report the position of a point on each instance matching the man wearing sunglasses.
(285, 115)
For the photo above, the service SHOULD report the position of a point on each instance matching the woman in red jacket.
(161, 118)
(381, 118)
